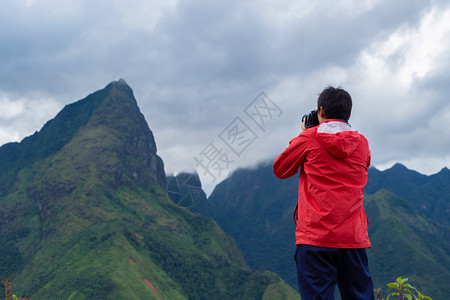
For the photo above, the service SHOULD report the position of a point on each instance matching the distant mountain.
(84, 207)
(429, 195)
(185, 189)
(397, 179)
(256, 208)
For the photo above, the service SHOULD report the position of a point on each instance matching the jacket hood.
(338, 138)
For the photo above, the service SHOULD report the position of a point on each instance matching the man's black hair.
(336, 102)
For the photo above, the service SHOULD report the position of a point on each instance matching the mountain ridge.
(428, 194)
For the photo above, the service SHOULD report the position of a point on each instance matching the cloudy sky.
(223, 84)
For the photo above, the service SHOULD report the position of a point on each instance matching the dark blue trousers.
(320, 269)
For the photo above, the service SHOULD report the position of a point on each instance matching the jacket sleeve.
(288, 162)
(369, 155)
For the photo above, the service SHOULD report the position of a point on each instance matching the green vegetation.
(8, 291)
(404, 241)
(52, 137)
(280, 290)
(403, 290)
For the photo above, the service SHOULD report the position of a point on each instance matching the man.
(331, 224)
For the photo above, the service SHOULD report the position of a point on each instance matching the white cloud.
(10, 109)
(412, 52)
(400, 113)
(22, 116)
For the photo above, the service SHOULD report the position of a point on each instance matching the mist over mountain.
(84, 208)
(408, 217)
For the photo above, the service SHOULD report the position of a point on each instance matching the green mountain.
(408, 244)
(429, 195)
(256, 209)
(83, 208)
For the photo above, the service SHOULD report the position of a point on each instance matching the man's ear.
(322, 113)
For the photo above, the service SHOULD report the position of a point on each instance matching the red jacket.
(334, 160)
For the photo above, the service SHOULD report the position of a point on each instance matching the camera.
(311, 119)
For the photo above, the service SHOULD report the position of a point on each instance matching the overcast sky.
(223, 84)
